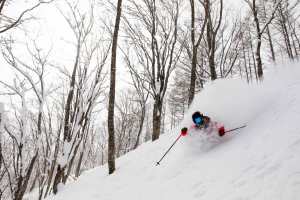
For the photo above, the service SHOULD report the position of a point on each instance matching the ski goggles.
(198, 120)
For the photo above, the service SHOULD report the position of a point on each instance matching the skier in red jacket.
(207, 125)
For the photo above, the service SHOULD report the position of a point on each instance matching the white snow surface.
(259, 162)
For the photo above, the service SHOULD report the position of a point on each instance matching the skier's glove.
(184, 131)
(221, 131)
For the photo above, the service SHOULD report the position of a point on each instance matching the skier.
(207, 125)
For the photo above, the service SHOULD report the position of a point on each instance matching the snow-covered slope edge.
(259, 162)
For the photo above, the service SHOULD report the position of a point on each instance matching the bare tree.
(126, 123)
(212, 29)
(285, 23)
(142, 88)
(260, 29)
(7, 22)
(269, 34)
(230, 48)
(177, 100)
(20, 173)
(195, 45)
(85, 87)
(111, 104)
(154, 38)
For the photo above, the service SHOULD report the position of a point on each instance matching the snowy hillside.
(258, 162)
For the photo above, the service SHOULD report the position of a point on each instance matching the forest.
(119, 73)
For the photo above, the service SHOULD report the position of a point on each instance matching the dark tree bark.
(258, 44)
(156, 118)
(194, 56)
(284, 30)
(211, 33)
(23, 181)
(195, 46)
(260, 30)
(57, 179)
(269, 36)
(142, 118)
(111, 104)
(245, 59)
(2, 2)
(271, 44)
(60, 172)
(253, 57)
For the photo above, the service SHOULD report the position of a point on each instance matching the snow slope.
(260, 162)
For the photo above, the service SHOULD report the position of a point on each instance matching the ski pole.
(183, 133)
(236, 128)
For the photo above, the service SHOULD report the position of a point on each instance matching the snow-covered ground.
(259, 162)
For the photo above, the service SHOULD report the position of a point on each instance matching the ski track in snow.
(259, 162)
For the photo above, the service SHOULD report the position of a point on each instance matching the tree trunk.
(193, 76)
(111, 104)
(253, 57)
(258, 59)
(142, 118)
(258, 44)
(284, 30)
(212, 67)
(287, 40)
(249, 65)
(211, 51)
(2, 5)
(53, 164)
(269, 35)
(294, 46)
(194, 55)
(271, 44)
(59, 175)
(69, 167)
(77, 171)
(156, 119)
(245, 60)
(67, 136)
(296, 37)
(23, 181)
(78, 167)
(211, 34)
